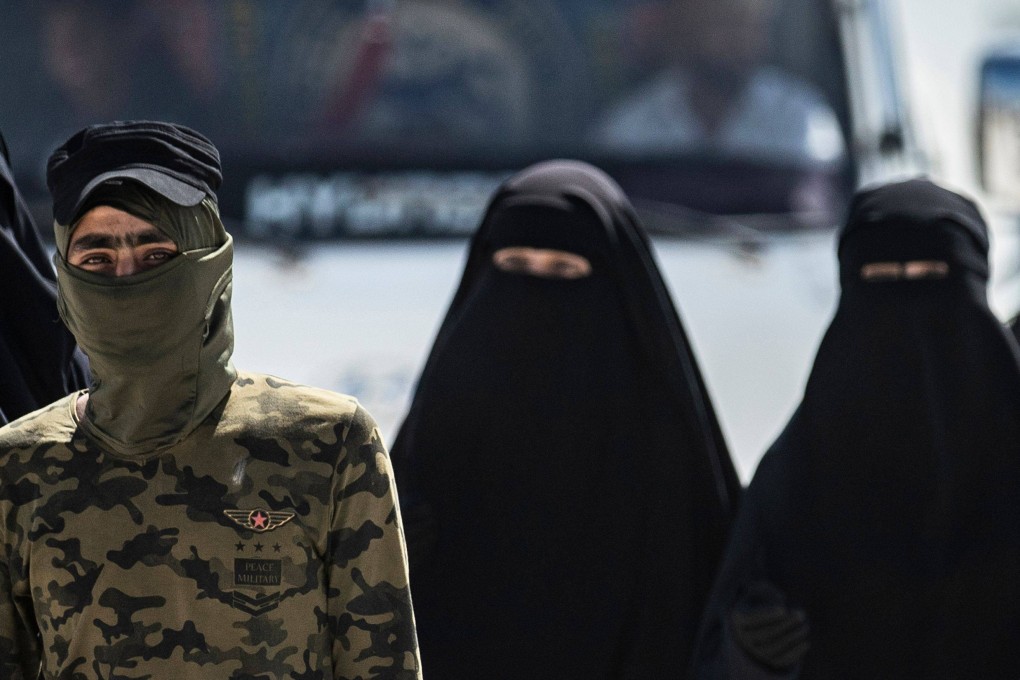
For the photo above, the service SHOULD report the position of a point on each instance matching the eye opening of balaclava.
(191, 228)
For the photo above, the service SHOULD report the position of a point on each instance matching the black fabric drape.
(562, 441)
(889, 508)
(38, 359)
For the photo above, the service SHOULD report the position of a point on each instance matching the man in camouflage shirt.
(181, 519)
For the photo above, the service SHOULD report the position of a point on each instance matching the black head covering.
(889, 508)
(563, 436)
(172, 160)
(38, 359)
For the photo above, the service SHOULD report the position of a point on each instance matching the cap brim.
(179, 192)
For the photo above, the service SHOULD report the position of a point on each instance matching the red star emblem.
(258, 519)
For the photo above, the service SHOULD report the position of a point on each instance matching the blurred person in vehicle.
(182, 519)
(878, 538)
(39, 361)
(719, 95)
(566, 484)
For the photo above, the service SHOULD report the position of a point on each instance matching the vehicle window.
(399, 117)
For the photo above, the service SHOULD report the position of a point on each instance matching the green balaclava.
(159, 342)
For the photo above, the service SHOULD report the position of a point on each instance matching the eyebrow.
(107, 241)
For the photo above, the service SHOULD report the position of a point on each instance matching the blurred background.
(943, 44)
(361, 140)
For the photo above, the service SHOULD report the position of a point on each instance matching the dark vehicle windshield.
(399, 117)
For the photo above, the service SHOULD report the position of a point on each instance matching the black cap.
(170, 159)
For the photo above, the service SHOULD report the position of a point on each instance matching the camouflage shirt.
(267, 544)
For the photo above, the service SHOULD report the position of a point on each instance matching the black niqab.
(38, 360)
(562, 435)
(889, 508)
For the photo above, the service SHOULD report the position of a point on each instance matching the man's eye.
(94, 260)
(160, 255)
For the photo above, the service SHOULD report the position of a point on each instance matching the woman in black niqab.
(887, 514)
(563, 442)
(39, 362)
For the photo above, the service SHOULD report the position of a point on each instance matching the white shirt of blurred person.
(717, 95)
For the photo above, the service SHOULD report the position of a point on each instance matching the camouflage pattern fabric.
(266, 545)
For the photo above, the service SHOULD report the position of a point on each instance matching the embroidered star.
(258, 547)
(276, 548)
(240, 547)
(259, 520)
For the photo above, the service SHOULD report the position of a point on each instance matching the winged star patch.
(260, 520)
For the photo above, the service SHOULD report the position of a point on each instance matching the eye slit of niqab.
(542, 262)
(925, 269)
(912, 270)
